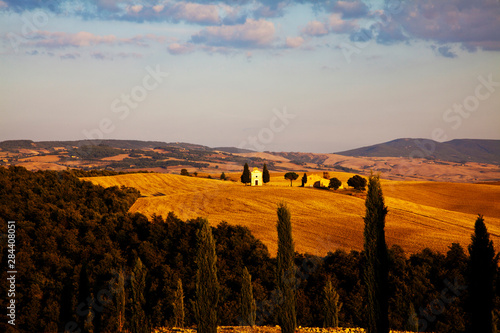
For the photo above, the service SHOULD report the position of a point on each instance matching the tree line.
(85, 263)
(356, 181)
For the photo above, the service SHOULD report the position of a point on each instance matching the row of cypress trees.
(482, 270)
(207, 287)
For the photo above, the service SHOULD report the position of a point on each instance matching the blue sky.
(316, 76)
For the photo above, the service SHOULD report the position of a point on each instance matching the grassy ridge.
(420, 215)
(458, 150)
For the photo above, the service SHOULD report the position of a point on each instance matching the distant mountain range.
(234, 150)
(120, 144)
(459, 150)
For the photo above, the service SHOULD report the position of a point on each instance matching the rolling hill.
(421, 214)
(120, 144)
(156, 156)
(460, 150)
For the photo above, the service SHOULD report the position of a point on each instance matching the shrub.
(335, 183)
(358, 182)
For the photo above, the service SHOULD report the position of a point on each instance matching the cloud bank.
(452, 26)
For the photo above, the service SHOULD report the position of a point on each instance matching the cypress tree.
(66, 308)
(304, 179)
(412, 323)
(246, 176)
(376, 271)
(207, 285)
(83, 291)
(88, 326)
(139, 322)
(120, 302)
(286, 271)
(332, 305)
(179, 305)
(265, 174)
(481, 272)
(248, 306)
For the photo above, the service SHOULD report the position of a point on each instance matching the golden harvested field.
(462, 197)
(35, 166)
(43, 159)
(118, 157)
(421, 214)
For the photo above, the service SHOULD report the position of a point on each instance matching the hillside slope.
(134, 155)
(121, 144)
(460, 150)
(322, 220)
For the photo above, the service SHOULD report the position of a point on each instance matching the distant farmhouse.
(256, 177)
(318, 181)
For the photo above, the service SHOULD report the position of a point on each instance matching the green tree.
(376, 271)
(332, 305)
(358, 182)
(184, 172)
(481, 271)
(223, 176)
(138, 322)
(248, 306)
(334, 183)
(265, 174)
(246, 176)
(286, 271)
(207, 285)
(304, 179)
(179, 305)
(291, 176)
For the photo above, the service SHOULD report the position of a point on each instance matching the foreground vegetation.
(84, 262)
(268, 329)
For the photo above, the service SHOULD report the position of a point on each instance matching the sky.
(304, 75)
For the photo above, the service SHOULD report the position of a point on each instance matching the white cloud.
(60, 39)
(176, 48)
(194, 12)
(158, 8)
(315, 28)
(337, 24)
(135, 9)
(294, 42)
(256, 33)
